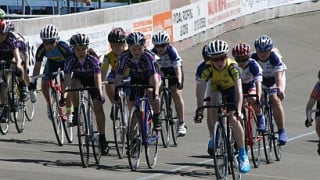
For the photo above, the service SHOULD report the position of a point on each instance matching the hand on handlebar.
(198, 117)
(308, 122)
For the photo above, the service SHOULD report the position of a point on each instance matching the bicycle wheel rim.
(233, 158)
(56, 121)
(134, 140)
(164, 117)
(119, 133)
(83, 140)
(266, 137)
(4, 126)
(220, 156)
(275, 143)
(255, 140)
(151, 144)
(18, 107)
(29, 110)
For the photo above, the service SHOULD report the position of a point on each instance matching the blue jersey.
(139, 70)
(200, 67)
(170, 59)
(58, 54)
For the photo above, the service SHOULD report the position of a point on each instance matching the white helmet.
(49, 32)
(217, 48)
(161, 37)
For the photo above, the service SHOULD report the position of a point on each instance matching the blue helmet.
(263, 43)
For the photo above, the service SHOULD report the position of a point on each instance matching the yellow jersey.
(109, 59)
(224, 79)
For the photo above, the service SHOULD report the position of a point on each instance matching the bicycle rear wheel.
(150, 142)
(18, 108)
(119, 130)
(254, 139)
(220, 156)
(165, 130)
(57, 123)
(134, 140)
(267, 137)
(233, 157)
(83, 139)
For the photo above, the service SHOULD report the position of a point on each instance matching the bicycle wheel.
(165, 130)
(233, 157)
(94, 136)
(57, 123)
(18, 108)
(4, 125)
(254, 139)
(83, 139)
(275, 143)
(29, 110)
(150, 142)
(174, 123)
(220, 156)
(267, 137)
(134, 140)
(119, 130)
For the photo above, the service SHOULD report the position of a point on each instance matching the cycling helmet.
(241, 50)
(263, 43)
(2, 13)
(117, 35)
(136, 39)
(49, 32)
(204, 52)
(217, 48)
(4, 26)
(79, 40)
(161, 37)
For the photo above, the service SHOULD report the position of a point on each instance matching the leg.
(277, 108)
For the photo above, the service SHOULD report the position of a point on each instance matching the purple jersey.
(83, 70)
(138, 70)
(8, 46)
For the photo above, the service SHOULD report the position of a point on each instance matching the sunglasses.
(49, 42)
(161, 45)
(242, 59)
(218, 59)
(80, 48)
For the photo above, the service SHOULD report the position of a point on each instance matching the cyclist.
(224, 74)
(87, 72)
(274, 78)
(9, 50)
(251, 77)
(142, 70)
(117, 40)
(56, 52)
(314, 98)
(170, 64)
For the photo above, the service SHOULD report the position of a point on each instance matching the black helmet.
(79, 40)
(117, 35)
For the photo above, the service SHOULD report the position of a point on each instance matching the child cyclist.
(273, 78)
(251, 77)
(117, 40)
(224, 74)
(86, 71)
(313, 99)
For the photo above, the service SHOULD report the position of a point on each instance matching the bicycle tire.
(18, 106)
(150, 142)
(94, 135)
(275, 143)
(254, 138)
(233, 157)
(174, 123)
(57, 123)
(267, 137)
(164, 117)
(119, 131)
(4, 126)
(220, 156)
(83, 139)
(29, 110)
(134, 140)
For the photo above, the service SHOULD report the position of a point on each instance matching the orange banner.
(163, 21)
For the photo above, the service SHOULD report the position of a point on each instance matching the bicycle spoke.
(134, 140)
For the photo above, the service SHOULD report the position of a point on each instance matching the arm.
(200, 90)
(309, 107)
(239, 94)
(98, 82)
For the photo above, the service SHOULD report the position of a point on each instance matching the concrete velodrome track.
(35, 155)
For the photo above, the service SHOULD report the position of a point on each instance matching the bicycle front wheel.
(164, 117)
(29, 110)
(150, 142)
(18, 109)
(233, 157)
(220, 155)
(4, 125)
(119, 130)
(83, 139)
(254, 139)
(57, 123)
(134, 140)
(267, 137)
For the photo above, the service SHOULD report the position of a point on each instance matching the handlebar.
(138, 87)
